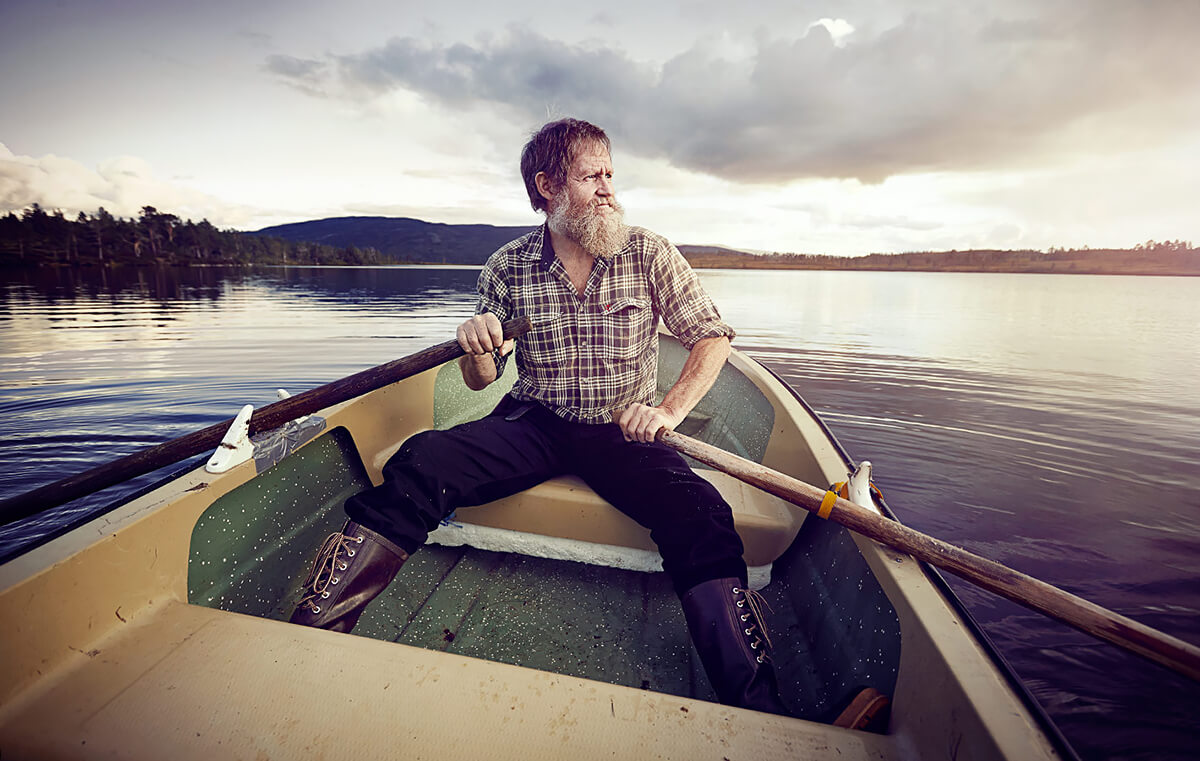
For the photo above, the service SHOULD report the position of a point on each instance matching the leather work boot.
(726, 624)
(352, 567)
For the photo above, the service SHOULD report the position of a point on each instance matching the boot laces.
(329, 561)
(754, 619)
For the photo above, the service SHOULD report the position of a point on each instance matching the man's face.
(586, 208)
(589, 179)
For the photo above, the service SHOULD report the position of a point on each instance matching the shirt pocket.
(545, 345)
(626, 326)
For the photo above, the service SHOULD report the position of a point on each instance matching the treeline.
(1150, 258)
(40, 238)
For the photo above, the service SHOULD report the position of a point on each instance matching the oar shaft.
(271, 416)
(1059, 604)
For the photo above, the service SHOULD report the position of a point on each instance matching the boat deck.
(189, 682)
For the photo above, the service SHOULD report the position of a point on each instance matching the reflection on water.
(1048, 422)
(96, 368)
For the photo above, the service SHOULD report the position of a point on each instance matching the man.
(583, 404)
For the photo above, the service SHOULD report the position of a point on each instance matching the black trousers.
(520, 445)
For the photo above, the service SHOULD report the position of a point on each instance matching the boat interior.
(251, 548)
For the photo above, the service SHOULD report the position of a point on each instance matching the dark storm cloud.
(950, 89)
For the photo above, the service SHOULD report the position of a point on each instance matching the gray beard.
(601, 235)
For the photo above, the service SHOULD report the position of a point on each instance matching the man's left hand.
(640, 422)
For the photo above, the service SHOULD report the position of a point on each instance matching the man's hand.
(640, 422)
(482, 334)
(478, 337)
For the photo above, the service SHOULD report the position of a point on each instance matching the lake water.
(1051, 423)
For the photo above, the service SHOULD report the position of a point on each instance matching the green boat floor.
(598, 623)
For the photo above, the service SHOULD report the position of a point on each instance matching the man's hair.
(551, 150)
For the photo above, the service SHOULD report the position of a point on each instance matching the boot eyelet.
(754, 645)
(741, 603)
(316, 609)
(343, 567)
(335, 579)
(350, 553)
(324, 595)
(760, 658)
(749, 632)
(736, 590)
(745, 616)
(358, 539)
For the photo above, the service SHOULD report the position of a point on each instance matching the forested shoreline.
(1149, 258)
(37, 238)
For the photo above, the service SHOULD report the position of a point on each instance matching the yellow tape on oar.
(837, 490)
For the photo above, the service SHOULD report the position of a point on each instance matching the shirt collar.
(547, 248)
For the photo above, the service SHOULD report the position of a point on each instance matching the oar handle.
(1172, 652)
(265, 419)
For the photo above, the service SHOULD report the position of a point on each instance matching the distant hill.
(720, 256)
(401, 238)
(414, 240)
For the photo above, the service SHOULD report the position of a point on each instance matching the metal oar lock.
(237, 447)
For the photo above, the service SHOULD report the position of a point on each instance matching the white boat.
(158, 630)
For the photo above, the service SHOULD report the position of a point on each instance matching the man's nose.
(606, 186)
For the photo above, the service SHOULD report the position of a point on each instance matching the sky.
(827, 126)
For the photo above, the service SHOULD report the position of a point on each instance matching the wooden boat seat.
(566, 507)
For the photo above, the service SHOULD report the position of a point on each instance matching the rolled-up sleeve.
(682, 302)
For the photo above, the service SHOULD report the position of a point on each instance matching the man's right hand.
(482, 334)
(479, 337)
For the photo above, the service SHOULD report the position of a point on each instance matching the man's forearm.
(699, 372)
(478, 370)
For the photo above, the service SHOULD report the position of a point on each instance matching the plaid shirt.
(588, 356)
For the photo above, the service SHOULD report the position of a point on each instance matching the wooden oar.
(271, 416)
(1088, 617)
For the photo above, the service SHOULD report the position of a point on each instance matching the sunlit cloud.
(838, 28)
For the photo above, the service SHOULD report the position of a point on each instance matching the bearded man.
(582, 404)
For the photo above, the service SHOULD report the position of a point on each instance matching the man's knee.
(418, 450)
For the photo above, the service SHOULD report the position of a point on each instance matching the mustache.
(612, 203)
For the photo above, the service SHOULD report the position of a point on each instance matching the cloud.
(304, 74)
(121, 185)
(839, 29)
(957, 88)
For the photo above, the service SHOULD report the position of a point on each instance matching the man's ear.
(544, 186)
